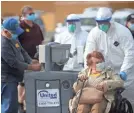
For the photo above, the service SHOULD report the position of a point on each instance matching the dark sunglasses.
(31, 13)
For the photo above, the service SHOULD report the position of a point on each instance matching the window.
(121, 21)
(88, 21)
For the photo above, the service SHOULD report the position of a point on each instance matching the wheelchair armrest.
(119, 90)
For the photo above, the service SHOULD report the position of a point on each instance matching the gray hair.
(25, 9)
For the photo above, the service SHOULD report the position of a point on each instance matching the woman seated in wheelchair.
(97, 84)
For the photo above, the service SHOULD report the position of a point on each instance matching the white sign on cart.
(48, 98)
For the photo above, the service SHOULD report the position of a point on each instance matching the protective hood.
(104, 14)
(75, 19)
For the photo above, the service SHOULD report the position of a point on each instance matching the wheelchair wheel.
(121, 106)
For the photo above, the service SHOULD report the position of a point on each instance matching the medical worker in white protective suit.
(116, 43)
(77, 38)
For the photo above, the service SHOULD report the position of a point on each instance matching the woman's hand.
(82, 77)
(102, 86)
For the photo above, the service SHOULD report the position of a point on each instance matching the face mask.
(104, 27)
(100, 66)
(31, 17)
(2, 27)
(14, 36)
(131, 27)
(71, 27)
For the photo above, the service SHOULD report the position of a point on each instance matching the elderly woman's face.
(96, 60)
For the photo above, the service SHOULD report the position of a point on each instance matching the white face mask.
(100, 66)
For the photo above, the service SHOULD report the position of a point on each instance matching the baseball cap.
(130, 17)
(12, 25)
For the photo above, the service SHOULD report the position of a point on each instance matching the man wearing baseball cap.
(14, 61)
(12, 25)
(130, 23)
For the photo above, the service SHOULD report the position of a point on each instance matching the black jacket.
(14, 60)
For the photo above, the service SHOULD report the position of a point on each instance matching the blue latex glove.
(123, 76)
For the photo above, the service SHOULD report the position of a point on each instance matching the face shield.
(103, 18)
(104, 26)
(73, 23)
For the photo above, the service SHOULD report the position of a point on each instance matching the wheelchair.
(120, 104)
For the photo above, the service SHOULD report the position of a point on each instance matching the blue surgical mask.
(14, 36)
(31, 17)
(131, 27)
(2, 27)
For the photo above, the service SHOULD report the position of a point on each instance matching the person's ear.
(127, 24)
(6, 32)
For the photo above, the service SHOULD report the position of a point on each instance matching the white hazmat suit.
(117, 46)
(77, 41)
